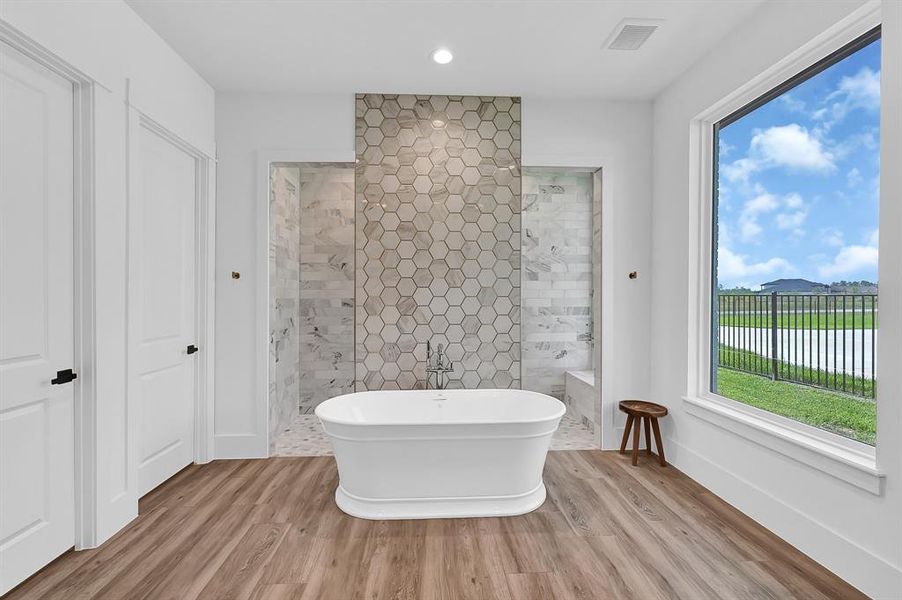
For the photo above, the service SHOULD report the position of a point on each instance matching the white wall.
(107, 41)
(616, 136)
(555, 132)
(318, 128)
(110, 44)
(852, 532)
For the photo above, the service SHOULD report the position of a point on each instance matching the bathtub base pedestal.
(439, 508)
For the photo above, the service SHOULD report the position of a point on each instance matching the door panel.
(164, 302)
(37, 462)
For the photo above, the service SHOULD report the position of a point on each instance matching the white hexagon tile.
(437, 239)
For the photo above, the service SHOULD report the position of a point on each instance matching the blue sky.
(799, 181)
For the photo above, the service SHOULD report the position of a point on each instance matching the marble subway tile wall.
(557, 319)
(284, 282)
(326, 299)
(437, 239)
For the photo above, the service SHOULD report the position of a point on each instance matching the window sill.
(854, 466)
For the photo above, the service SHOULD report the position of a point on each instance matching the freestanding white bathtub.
(429, 454)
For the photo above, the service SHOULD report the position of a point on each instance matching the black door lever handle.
(64, 377)
(192, 349)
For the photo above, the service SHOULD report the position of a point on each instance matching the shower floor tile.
(305, 437)
(572, 435)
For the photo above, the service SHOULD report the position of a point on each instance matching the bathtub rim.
(560, 411)
(462, 507)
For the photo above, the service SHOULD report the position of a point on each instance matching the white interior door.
(163, 305)
(37, 452)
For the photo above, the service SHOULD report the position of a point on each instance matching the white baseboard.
(240, 445)
(861, 568)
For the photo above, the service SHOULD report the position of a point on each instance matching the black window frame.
(802, 76)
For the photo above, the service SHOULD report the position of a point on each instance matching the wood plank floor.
(269, 530)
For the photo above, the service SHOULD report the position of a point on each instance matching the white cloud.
(739, 170)
(749, 229)
(854, 258)
(732, 266)
(724, 234)
(861, 90)
(853, 177)
(856, 142)
(790, 146)
(725, 148)
(796, 235)
(792, 103)
(792, 217)
(793, 200)
(795, 216)
(761, 203)
(832, 237)
(863, 87)
(849, 260)
(874, 238)
(791, 220)
(793, 147)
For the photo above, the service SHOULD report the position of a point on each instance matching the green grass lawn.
(751, 362)
(787, 320)
(840, 413)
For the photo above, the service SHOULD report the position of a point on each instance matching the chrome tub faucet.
(437, 366)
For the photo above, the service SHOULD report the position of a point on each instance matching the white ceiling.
(530, 48)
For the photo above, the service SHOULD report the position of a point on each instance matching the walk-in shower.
(561, 286)
(319, 331)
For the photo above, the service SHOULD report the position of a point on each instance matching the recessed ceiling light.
(442, 56)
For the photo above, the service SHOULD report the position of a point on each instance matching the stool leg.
(658, 443)
(647, 435)
(637, 428)
(626, 433)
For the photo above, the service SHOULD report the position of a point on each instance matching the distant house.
(797, 286)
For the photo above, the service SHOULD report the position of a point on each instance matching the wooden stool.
(636, 411)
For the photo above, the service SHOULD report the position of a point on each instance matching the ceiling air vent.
(630, 34)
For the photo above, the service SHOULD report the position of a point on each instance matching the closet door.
(163, 181)
(37, 463)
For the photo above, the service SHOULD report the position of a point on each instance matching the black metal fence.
(823, 340)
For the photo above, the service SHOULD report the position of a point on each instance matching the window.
(794, 303)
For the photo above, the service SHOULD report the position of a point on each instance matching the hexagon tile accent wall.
(438, 239)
